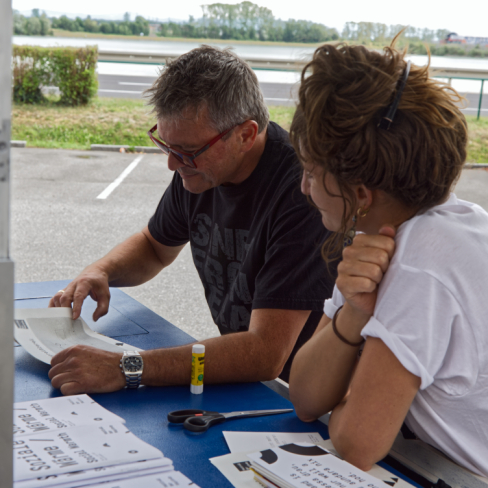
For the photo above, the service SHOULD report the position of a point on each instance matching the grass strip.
(126, 121)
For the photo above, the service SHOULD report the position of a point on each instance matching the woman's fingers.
(376, 250)
(363, 266)
(362, 269)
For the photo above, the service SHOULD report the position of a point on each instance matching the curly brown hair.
(343, 96)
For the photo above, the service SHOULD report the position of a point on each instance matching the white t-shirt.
(432, 313)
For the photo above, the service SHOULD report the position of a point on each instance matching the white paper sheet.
(43, 332)
(258, 441)
(295, 464)
(52, 414)
(78, 448)
(165, 480)
(99, 475)
(235, 466)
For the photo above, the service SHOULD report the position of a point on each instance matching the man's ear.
(247, 133)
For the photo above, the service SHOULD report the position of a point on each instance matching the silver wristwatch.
(132, 365)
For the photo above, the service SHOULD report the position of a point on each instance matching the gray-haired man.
(255, 240)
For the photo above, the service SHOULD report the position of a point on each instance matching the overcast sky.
(466, 17)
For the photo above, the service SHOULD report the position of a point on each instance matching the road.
(59, 226)
(124, 86)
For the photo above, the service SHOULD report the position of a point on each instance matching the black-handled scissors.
(201, 420)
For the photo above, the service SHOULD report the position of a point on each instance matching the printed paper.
(99, 475)
(166, 480)
(302, 464)
(59, 413)
(78, 448)
(43, 332)
(258, 441)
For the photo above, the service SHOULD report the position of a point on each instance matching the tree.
(33, 26)
(19, 23)
(90, 25)
(45, 24)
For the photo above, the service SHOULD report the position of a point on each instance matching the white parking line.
(110, 188)
(133, 83)
(280, 99)
(119, 91)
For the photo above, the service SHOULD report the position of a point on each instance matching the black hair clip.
(387, 119)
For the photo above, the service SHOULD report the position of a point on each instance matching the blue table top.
(145, 409)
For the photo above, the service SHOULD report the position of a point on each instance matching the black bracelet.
(339, 335)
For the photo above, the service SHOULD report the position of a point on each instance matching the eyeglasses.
(183, 157)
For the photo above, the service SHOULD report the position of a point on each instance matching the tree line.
(40, 25)
(248, 21)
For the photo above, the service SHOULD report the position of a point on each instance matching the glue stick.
(197, 362)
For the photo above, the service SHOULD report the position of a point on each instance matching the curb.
(475, 165)
(18, 143)
(125, 148)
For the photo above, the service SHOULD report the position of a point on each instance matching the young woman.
(381, 146)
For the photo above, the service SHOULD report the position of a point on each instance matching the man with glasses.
(255, 241)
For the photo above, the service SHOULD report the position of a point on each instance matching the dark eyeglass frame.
(187, 159)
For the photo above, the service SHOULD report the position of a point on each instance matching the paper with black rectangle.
(43, 332)
(301, 464)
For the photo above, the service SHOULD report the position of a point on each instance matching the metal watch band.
(132, 380)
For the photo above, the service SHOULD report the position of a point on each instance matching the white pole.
(6, 265)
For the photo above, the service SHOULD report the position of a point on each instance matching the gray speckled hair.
(213, 78)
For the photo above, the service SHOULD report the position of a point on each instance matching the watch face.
(133, 364)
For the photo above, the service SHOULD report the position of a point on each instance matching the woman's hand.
(362, 268)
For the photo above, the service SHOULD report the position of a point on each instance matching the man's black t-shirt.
(255, 245)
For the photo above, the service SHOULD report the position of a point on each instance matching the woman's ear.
(364, 196)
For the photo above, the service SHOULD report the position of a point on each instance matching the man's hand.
(133, 262)
(86, 369)
(363, 266)
(92, 281)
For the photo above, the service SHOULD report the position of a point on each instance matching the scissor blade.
(255, 413)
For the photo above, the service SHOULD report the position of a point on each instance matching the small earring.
(351, 233)
(362, 212)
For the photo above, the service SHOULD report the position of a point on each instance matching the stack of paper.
(246, 468)
(73, 441)
(296, 465)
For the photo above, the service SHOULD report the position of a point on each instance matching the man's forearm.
(256, 355)
(131, 263)
(240, 357)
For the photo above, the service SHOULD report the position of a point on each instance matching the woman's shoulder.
(454, 228)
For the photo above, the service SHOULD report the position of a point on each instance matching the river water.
(243, 50)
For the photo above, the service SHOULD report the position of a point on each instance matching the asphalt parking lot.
(59, 225)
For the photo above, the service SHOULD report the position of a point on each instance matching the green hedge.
(72, 70)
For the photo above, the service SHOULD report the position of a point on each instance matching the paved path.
(59, 225)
